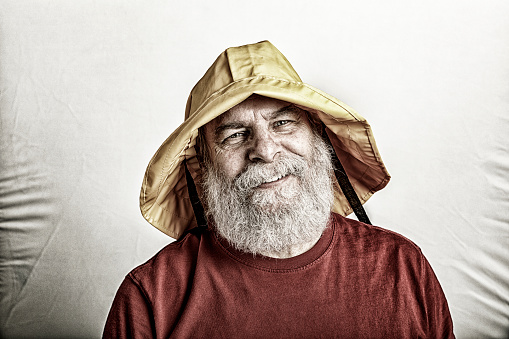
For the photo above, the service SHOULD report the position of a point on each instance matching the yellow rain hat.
(236, 74)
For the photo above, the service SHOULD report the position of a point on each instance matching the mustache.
(258, 173)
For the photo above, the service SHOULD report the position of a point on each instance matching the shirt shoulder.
(173, 263)
(365, 240)
(361, 231)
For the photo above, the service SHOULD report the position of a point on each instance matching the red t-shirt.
(358, 281)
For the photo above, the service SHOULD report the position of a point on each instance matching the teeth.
(274, 179)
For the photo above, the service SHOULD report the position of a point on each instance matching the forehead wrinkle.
(291, 108)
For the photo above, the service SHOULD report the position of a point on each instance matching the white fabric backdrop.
(90, 89)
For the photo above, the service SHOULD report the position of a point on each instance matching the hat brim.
(164, 200)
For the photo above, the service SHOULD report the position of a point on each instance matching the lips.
(273, 182)
(274, 179)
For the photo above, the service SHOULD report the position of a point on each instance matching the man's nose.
(264, 147)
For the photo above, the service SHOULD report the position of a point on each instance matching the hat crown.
(238, 63)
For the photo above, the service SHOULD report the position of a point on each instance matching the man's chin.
(268, 208)
(272, 202)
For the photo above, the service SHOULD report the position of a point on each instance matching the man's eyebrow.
(232, 125)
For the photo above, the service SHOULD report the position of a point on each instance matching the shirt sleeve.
(438, 315)
(131, 313)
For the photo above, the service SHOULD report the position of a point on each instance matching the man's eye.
(281, 123)
(234, 137)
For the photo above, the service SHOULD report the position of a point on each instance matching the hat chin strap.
(199, 211)
(344, 182)
(339, 171)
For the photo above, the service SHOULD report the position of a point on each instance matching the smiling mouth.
(273, 181)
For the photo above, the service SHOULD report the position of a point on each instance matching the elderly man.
(269, 253)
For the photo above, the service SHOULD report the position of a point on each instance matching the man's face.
(267, 180)
(258, 130)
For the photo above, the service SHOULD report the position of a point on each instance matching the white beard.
(261, 221)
